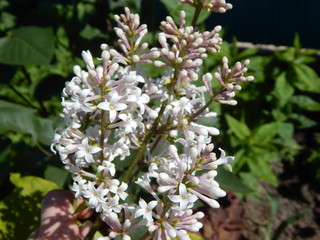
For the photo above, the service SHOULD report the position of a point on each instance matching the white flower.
(112, 106)
(85, 151)
(107, 166)
(120, 190)
(79, 185)
(224, 159)
(96, 196)
(145, 209)
(136, 97)
(184, 199)
(129, 124)
(179, 106)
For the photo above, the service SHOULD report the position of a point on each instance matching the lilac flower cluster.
(114, 112)
(218, 6)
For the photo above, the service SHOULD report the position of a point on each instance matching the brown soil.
(299, 201)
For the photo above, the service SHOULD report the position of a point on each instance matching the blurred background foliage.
(275, 122)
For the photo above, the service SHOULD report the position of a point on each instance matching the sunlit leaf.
(260, 167)
(27, 45)
(283, 91)
(306, 79)
(264, 133)
(20, 211)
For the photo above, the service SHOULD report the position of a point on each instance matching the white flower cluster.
(114, 113)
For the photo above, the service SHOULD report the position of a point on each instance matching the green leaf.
(249, 179)
(194, 236)
(304, 122)
(138, 233)
(258, 66)
(231, 182)
(296, 42)
(306, 103)
(89, 33)
(286, 56)
(20, 211)
(21, 119)
(286, 130)
(57, 175)
(27, 45)
(259, 166)
(283, 91)
(264, 133)
(247, 53)
(307, 79)
(240, 129)
(132, 4)
(174, 7)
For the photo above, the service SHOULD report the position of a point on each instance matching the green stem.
(141, 164)
(211, 100)
(146, 140)
(196, 14)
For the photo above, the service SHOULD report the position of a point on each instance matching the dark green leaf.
(240, 129)
(307, 79)
(57, 175)
(21, 119)
(80, 208)
(283, 91)
(306, 103)
(132, 4)
(231, 182)
(89, 33)
(138, 233)
(258, 65)
(27, 45)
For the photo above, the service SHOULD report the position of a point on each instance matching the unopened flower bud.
(250, 78)
(135, 58)
(105, 55)
(229, 86)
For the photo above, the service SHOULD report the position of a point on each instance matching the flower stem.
(146, 140)
(196, 14)
(211, 100)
